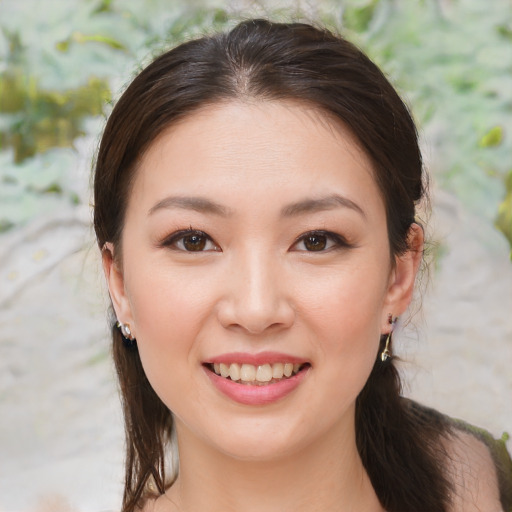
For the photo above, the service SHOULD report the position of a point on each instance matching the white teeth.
(234, 371)
(278, 370)
(248, 373)
(264, 373)
(224, 370)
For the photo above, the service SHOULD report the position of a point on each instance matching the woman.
(255, 199)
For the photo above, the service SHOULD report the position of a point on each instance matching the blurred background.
(62, 66)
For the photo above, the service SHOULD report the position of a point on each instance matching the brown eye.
(194, 242)
(320, 241)
(315, 242)
(190, 241)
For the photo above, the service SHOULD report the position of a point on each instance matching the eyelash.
(337, 241)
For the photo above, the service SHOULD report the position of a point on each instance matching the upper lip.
(255, 359)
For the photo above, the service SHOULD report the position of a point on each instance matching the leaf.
(5, 225)
(492, 138)
(104, 6)
(359, 17)
(62, 46)
(80, 38)
(53, 188)
(504, 217)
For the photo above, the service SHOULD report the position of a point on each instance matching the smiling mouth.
(261, 375)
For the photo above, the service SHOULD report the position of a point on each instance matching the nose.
(258, 296)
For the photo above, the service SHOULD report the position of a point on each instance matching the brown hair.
(262, 60)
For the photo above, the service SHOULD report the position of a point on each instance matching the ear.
(115, 282)
(403, 275)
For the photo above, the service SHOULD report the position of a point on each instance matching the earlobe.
(115, 282)
(403, 276)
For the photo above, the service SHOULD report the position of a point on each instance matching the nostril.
(255, 309)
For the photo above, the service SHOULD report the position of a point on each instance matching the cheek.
(345, 315)
(168, 310)
(346, 300)
(167, 300)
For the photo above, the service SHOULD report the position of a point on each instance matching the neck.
(328, 476)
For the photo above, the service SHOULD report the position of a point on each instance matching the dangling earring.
(128, 340)
(386, 353)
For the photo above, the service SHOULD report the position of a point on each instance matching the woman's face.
(255, 244)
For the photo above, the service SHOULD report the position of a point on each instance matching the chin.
(265, 440)
(259, 449)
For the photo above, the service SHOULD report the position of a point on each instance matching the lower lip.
(256, 395)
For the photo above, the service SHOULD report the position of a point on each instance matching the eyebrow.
(198, 204)
(203, 205)
(320, 204)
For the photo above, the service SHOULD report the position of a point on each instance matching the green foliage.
(359, 14)
(504, 218)
(492, 138)
(35, 120)
(452, 62)
(60, 67)
(38, 184)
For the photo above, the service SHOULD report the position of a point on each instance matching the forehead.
(254, 149)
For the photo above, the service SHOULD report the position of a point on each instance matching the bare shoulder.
(473, 474)
(149, 506)
(159, 504)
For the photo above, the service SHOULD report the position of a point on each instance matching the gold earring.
(386, 353)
